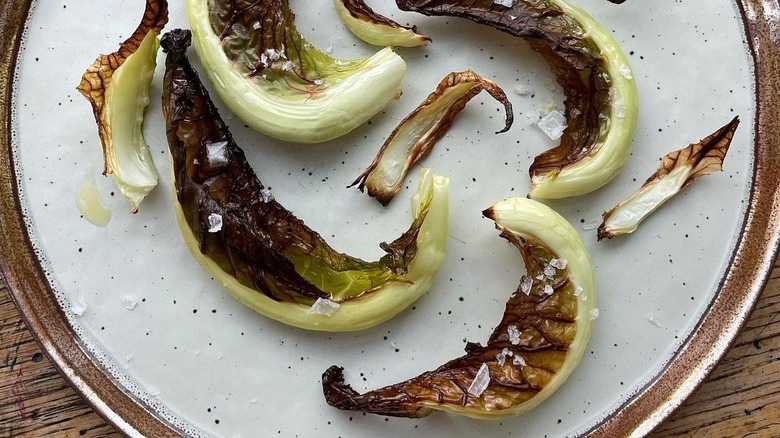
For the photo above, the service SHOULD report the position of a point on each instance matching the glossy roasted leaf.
(375, 28)
(678, 170)
(584, 67)
(235, 218)
(413, 139)
(530, 353)
(279, 83)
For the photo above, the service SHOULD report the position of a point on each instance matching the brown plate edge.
(748, 271)
(26, 279)
(752, 259)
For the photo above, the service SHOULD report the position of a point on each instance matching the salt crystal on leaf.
(129, 302)
(577, 291)
(266, 194)
(549, 271)
(480, 382)
(507, 352)
(548, 290)
(256, 25)
(625, 71)
(522, 90)
(79, 306)
(526, 284)
(559, 263)
(323, 306)
(319, 82)
(514, 334)
(507, 3)
(518, 360)
(594, 313)
(287, 66)
(501, 358)
(215, 222)
(553, 124)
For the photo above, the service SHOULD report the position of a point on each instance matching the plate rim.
(742, 282)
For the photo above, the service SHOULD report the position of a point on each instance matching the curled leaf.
(678, 170)
(117, 86)
(280, 84)
(413, 139)
(531, 352)
(375, 28)
(259, 251)
(597, 81)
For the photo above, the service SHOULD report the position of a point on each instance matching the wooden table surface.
(740, 399)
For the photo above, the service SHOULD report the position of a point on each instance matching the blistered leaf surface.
(236, 220)
(586, 62)
(528, 355)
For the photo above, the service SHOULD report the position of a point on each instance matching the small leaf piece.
(414, 138)
(117, 86)
(375, 28)
(678, 170)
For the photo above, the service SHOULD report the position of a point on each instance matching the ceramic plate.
(160, 349)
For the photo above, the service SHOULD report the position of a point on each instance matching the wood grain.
(740, 399)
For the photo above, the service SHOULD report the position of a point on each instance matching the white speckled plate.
(190, 359)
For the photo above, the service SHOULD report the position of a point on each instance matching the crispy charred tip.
(337, 392)
(489, 213)
(176, 41)
(602, 233)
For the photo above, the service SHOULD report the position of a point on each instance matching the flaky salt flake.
(256, 25)
(625, 70)
(594, 313)
(506, 3)
(559, 263)
(501, 359)
(518, 360)
(577, 291)
(266, 194)
(540, 276)
(129, 302)
(323, 306)
(79, 307)
(523, 90)
(619, 109)
(329, 50)
(514, 334)
(654, 320)
(287, 66)
(526, 284)
(273, 55)
(215, 223)
(319, 82)
(592, 225)
(548, 290)
(553, 124)
(507, 352)
(481, 381)
(549, 271)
